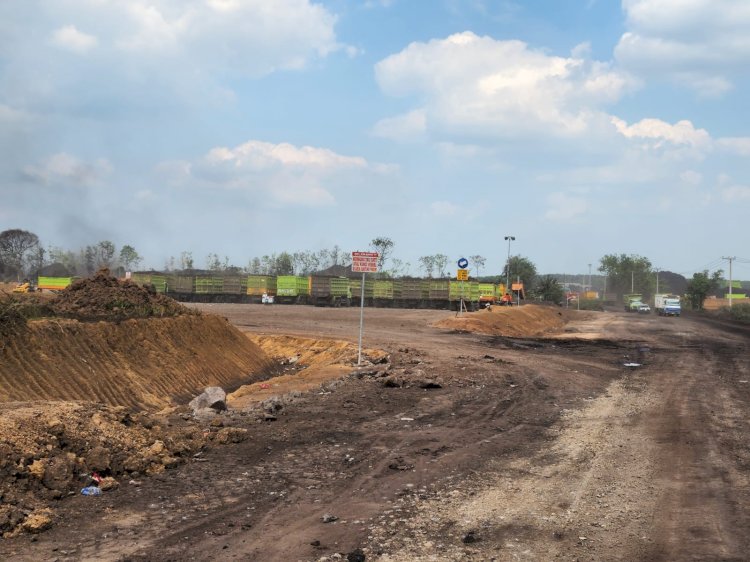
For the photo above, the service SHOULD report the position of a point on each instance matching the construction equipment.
(632, 301)
(25, 287)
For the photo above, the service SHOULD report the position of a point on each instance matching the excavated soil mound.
(103, 297)
(50, 450)
(139, 363)
(524, 321)
(307, 364)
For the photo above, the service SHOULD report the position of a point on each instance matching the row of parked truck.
(665, 304)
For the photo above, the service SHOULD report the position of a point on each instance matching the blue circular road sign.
(463, 263)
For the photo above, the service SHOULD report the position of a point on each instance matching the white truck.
(667, 305)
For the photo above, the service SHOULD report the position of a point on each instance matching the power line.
(709, 265)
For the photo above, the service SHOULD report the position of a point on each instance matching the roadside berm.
(82, 387)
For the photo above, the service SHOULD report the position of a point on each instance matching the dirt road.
(478, 448)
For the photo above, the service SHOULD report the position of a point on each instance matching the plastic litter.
(631, 364)
(91, 491)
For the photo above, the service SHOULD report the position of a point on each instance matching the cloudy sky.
(246, 127)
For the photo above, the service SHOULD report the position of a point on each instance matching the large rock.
(213, 397)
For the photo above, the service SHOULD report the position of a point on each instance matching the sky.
(247, 127)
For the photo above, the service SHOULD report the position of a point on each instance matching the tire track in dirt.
(705, 480)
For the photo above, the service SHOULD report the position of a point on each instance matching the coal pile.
(103, 297)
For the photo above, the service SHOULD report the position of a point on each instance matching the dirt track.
(517, 449)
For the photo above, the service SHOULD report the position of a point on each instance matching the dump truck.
(667, 305)
(54, 283)
(632, 302)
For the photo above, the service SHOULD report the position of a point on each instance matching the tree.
(384, 247)
(105, 251)
(397, 268)
(186, 260)
(254, 267)
(478, 262)
(15, 245)
(701, 285)
(520, 267)
(428, 264)
(129, 257)
(441, 261)
(628, 274)
(284, 264)
(213, 262)
(549, 289)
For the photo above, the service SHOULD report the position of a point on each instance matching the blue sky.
(246, 127)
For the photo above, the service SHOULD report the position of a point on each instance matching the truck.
(667, 305)
(632, 302)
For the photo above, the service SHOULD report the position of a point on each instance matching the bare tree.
(440, 261)
(428, 264)
(478, 262)
(186, 260)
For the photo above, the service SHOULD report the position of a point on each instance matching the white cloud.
(279, 174)
(562, 207)
(737, 145)
(63, 168)
(701, 43)
(660, 132)
(253, 36)
(735, 193)
(70, 38)
(472, 84)
(154, 52)
(258, 155)
(409, 126)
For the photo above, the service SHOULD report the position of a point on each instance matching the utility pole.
(731, 259)
(657, 280)
(507, 287)
(589, 287)
(632, 282)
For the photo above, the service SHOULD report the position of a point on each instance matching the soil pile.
(103, 297)
(524, 321)
(51, 450)
(139, 363)
(307, 363)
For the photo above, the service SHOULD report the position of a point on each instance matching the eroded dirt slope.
(140, 363)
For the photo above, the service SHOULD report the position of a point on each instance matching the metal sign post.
(363, 262)
(462, 275)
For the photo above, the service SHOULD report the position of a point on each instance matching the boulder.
(213, 397)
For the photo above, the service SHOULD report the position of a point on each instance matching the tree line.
(22, 254)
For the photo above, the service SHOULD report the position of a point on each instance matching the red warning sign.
(365, 262)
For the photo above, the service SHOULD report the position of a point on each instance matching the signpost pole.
(361, 319)
(362, 262)
(462, 275)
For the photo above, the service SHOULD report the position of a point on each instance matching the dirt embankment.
(525, 321)
(72, 382)
(137, 363)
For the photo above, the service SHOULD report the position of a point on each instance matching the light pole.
(507, 266)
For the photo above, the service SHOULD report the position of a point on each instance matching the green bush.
(740, 312)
